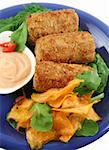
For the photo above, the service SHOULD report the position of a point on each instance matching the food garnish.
(8, 46)
(98, 97)
(13, 123)
(42, 117)
(88, 128)
(19, 37)
(102, 70)
(90, 84)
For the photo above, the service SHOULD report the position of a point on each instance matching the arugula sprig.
(42, 117)
(13, 123)
(88, 128)
(91, 83)
(14, 22)
(98, 97)
(102, 70)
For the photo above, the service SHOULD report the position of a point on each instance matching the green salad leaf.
(19, 37)
(102, 70)
(14, 22)
(79, 29)
(13, 123)
(88, 128)
(42, 118)
(91, 83)
(98, 97)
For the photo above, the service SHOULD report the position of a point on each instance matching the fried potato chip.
(57, 103)
(71, 101)
(93, 115)
(24, 125)
(19, 111)
(76, 120)
(63, 126)
(82, 110)
(34, 96)
(77, 117)
(54, 94)
(23, 102)
(36, 138)
(44, 97)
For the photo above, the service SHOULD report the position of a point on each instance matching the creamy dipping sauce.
(14, 68)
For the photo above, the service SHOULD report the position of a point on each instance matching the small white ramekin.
(5, 37)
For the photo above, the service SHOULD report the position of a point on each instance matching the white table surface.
(98, 8)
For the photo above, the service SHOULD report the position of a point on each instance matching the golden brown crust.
(55, 75)
(75, 47)
(59, 21)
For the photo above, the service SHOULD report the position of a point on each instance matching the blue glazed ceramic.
(9, 138)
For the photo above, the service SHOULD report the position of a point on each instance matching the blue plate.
(9, 138)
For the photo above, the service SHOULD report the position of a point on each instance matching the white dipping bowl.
(5, 37)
